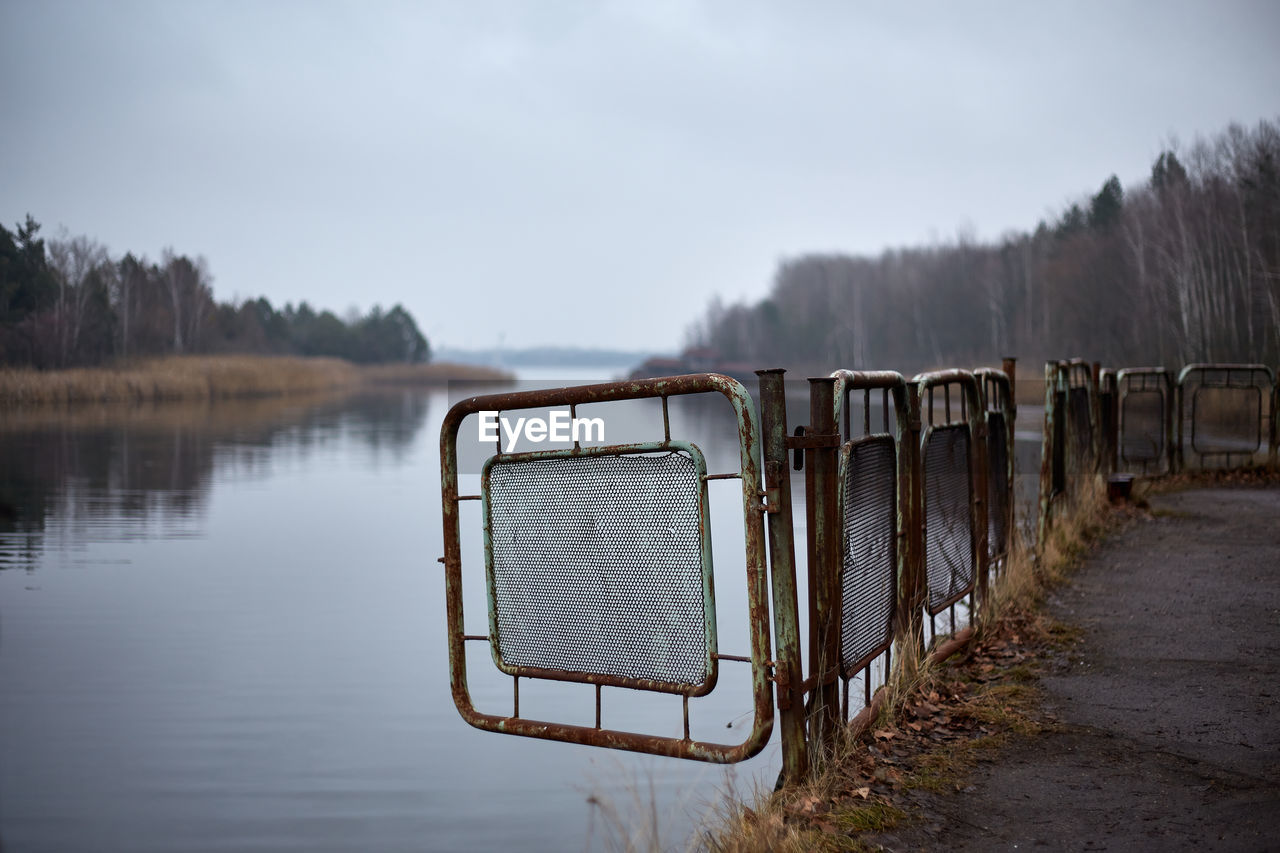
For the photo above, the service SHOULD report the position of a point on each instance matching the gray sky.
(491, 164)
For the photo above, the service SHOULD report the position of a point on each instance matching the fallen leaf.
(884, 734)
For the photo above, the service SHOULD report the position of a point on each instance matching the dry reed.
(213, 378)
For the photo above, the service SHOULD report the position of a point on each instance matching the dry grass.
(214, 378)
(1078, 521)
(176, 378)
(818, 815)
(213, 416)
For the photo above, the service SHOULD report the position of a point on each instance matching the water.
(222, 628)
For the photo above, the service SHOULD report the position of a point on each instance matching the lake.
(222, 628)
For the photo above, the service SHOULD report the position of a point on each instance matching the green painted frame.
(710, 669)
(753, 507)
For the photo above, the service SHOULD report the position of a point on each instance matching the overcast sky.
(589, 173)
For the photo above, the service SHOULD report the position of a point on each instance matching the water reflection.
(112, 473)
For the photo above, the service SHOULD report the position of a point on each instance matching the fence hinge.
(769, 500)
(782, 677)
(805, 440)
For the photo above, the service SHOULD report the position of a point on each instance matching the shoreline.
(220, 377)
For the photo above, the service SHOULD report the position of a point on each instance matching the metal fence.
(598, 564)
(1214, 416)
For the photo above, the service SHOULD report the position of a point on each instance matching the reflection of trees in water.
(112, 473)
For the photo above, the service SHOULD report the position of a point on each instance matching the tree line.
(65, 303)
(1183, 268)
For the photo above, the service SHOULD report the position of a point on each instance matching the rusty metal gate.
(598, 568)
(1225, 415)
(953, 450)
(1146, 420)
(873, 485)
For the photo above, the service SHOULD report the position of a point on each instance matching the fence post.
(1009, 365)
(822, 488)
(1095, 418)
(1049, 451)
(979, 505)
(911, 580)
(788, 671)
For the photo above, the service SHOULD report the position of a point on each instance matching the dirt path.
(1169, 706)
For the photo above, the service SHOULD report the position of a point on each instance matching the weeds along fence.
(597, 559)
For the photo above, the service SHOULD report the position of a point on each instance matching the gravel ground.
(1169, 706)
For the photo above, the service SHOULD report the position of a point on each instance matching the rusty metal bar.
(782, 559)
(912, 590)
(738, 658)
(822, 487)
(1052, 447)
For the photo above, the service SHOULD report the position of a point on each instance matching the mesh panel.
(949, 566)
(1226, 420)
(597, 566)
(997, 484)
(1081, 427)
(870, 550)
(1142, 427)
